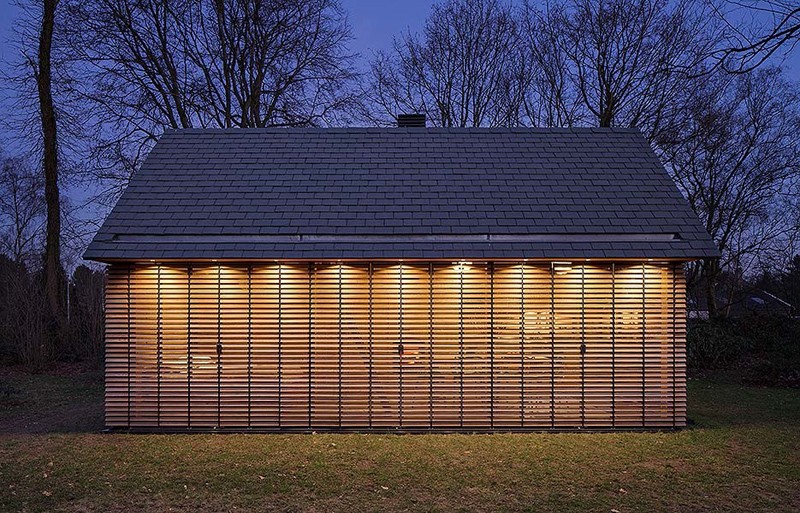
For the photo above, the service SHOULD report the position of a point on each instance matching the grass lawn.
(742, 454)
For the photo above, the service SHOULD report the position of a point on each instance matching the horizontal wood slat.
(390, 345)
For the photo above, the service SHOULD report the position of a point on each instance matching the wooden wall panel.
(539, 353)
(507, 342)
(386, 315)
(173, 385)
(447, 371)
(568, 326)
(235, 346)
(475, 344)
(417, 340)
(326, 354)
(598, 341)
(295, 329)
(117, 347)
(204, 311)
(678, 346)
(145, 326)
(267, 359)
(355, 345)
(629, 329)
(442, 345)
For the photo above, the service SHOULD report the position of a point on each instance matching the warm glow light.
(562, 267)
(462, 265)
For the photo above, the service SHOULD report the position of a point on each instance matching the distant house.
(406, 279)
(744, 300)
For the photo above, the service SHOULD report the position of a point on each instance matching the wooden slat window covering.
(265, 342)
(598, 343)
(475, 344)
(507, 339)
(144, 347)
(117, 344)
(410, 346)
(233, 348)
(416, 357)
(447, 383)
(174, 308)
(538, 354)
(678, 318)
(295, 349)
(568, 327)
(353, 334)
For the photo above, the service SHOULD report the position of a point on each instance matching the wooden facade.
(414, 346)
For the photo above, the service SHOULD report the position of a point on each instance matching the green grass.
(743, 454)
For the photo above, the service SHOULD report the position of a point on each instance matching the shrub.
(761, 350)
(714, 345)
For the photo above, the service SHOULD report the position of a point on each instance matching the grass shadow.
(50, 403)
(716, 404)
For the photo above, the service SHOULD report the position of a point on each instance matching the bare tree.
(43, 117)
(755, 30)
(736, 156)
(550, 96)
(278, 63)
(24, 334)
(628, 59)
(22, 210)
(153, 65)
(463, 70)
(53, 271)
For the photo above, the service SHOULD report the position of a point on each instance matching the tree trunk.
(54, 274)
(711, 275)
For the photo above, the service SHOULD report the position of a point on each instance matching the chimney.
(411, 121)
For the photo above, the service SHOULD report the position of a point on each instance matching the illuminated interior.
(395, 345)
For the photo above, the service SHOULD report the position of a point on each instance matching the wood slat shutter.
(398, 346)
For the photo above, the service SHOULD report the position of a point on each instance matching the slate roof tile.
(201, 186)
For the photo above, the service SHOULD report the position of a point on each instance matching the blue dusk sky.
(374, 24)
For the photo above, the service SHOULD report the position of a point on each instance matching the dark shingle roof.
(401, 193)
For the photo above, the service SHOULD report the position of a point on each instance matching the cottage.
(407, 279)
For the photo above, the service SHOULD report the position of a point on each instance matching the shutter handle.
(400, 349)
(219, 348)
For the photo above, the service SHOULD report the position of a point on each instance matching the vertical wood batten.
(159, 344)
(371, 348)
(249, 346)
(491, 343)
(522, 397)
(129, 347)
(644, 344)
(552, 326)
(219, 347)
(613, 345)
(674, 271)
(280, 350)
(116, 347)
(582, 348)
(400, 348)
